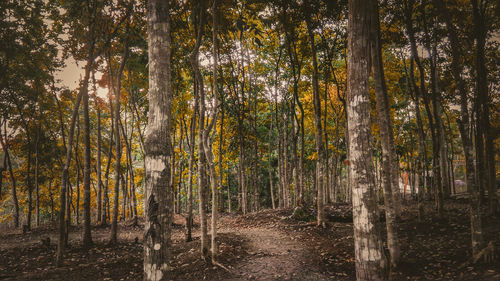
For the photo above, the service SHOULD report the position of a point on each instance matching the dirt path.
(274, 256)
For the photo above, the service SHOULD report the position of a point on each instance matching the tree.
(158, 199)
(199, 9)
(389, 161)
(370, 259)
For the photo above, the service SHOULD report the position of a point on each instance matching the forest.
(249, 140)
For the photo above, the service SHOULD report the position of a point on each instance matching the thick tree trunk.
(486, 135)
(386, 135)
(371, 262)
(158, 192)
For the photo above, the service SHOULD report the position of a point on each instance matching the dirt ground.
(266, 245)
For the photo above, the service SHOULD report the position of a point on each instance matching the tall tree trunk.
(464, 128)
(130, 170)
(422, 151)
(318, 135)
(189, 216)
(77, 165)
(270, 166)
(118, 145)
(65, 173)
(87, 237)
(486, 136)
(37, 168)
(208, 146)
(106, 207)
(386, 135)
(158, 199)
(29, 186)
(98, 165)
(371, 262)
(202, 182)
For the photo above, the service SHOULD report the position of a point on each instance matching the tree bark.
(464, 128)
(65, 173)
(386, 139)
(15, 202)
(486, 135)
(87, 237)
(98, 165)
(158, 191)
(370, 259)
(202, 182)
(37, 184)
(118, 145)
(318, 135)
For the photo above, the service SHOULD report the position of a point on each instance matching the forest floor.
(265, 245)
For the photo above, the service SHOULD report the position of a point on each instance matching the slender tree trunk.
(189, 216)
(370, 259)
(65, 173)
(386, 134)
(118, 145)
(77, 165)
(207, 145)
(29, 186)
(464, 128)
(37, 168)
(318, 133)
(202, 182)
(270, 167)
(106, 207)
(98, 165)
(87, 237)
(131, 196)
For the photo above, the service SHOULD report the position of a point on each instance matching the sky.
(71, 74)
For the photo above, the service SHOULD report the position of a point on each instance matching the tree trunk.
(158, 192)
(77, 165)
(486, 135)
(98, 165)
(318, 135)
(118, 145)
(5, 146)
(208, 146)
(464, 128)
(87, 237)
(37, 168)
(370, 259)
(65, 174)
(202, 182)
(106, 207)
(386, 135)
(189, 216)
